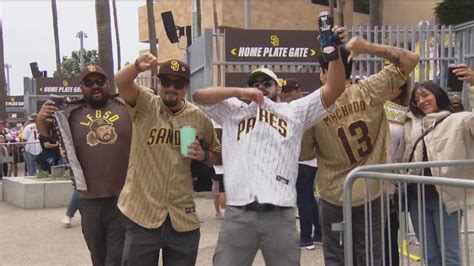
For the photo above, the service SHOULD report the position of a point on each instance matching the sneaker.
(67, 221)
(318, 240)
(307, 245)
(219, 216)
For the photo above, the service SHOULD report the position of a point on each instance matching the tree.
(340, 12)
(71, 66)
(152, 37)
(104, 37)
(453, 12)
(117, 36)
(3, 87)
(56, 36)
(376, 13)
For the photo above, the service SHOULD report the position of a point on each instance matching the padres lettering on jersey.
(159, 179)
(267, 117)
(262, 146)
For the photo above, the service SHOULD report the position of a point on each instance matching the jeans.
(334, 251)
(30, 161)
(244, 232)
(432, 225)
(307, 204)
(103, 227)
(142, 245)
(73, 204)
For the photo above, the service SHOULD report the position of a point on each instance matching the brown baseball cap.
(89, 69)
(175, 67)
(98, 123)
(289, 84)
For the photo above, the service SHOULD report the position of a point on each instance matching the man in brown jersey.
(158, 195)
(99, 163)
(357, 133)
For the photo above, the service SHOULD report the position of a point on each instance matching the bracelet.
(137, 66)
(206, 156)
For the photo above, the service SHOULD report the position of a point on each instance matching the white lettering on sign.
(292, 52)
(14, 104)
(70, 89)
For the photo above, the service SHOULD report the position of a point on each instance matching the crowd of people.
(137, 199)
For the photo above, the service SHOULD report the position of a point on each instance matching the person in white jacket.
(448, 136)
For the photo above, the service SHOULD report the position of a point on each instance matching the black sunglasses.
(266, 83)
(89, 83)
(178, 84)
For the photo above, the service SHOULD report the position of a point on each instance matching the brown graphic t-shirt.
(102, 142)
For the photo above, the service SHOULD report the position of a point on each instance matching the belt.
(258, 207)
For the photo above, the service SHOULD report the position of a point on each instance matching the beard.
(96, 103)
(170, 102)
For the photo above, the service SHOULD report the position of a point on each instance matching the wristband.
(206, 156)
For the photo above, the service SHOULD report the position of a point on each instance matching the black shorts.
(220, 179)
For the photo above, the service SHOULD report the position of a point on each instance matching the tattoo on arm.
(392, 54)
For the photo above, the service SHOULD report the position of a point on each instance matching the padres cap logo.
(91, 68)
(174, 65)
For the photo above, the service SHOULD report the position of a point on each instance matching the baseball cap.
(89, 69)
(289, 84)
(261, 71)
(98, 123)
(175, 67)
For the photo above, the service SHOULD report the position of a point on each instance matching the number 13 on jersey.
(356, 135)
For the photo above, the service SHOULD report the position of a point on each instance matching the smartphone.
(58, 100)
(454, 84)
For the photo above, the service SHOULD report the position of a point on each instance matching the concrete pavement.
(37, 237)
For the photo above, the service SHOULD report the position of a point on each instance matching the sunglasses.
(178, 84)
(266, 83)
(89, 83)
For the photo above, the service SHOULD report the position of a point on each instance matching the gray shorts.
(244, 232)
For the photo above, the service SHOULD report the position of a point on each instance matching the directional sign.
(271, 45)
(58, 86)
(15, 101)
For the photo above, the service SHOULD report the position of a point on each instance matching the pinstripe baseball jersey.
(261, 147)
(159, 178)
(355, 134)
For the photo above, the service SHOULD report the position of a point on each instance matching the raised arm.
(47, 110)
(335, 82)
(125, 78)
(405, 60)
(213, 95)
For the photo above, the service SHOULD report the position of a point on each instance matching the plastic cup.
(187, 134)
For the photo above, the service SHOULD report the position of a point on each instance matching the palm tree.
(104, 36)
(56, 37)
(376, 15)
(3, 94)
(117, 36)
(340, 12)
(331, 7)
(152, 38)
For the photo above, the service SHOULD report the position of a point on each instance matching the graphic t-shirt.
(102, 139)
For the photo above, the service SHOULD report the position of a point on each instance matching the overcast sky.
(28, 33)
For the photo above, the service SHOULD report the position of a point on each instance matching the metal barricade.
(12, 158)
(379, 172)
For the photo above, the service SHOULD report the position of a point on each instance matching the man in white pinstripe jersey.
(261, 143)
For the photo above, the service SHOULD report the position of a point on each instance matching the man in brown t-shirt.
(158, 193)
(96, 132)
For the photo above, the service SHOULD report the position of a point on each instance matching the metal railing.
(378, 172)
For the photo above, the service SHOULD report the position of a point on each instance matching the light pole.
(81, 35)
(7, 68)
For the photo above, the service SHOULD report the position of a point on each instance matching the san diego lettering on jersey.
(163, 136)
(279, 124)
(344, 110)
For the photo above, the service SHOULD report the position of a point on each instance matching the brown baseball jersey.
(159, 180)
(355, 134)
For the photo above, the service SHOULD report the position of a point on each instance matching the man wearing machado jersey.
(158, 193)
(355, 134)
